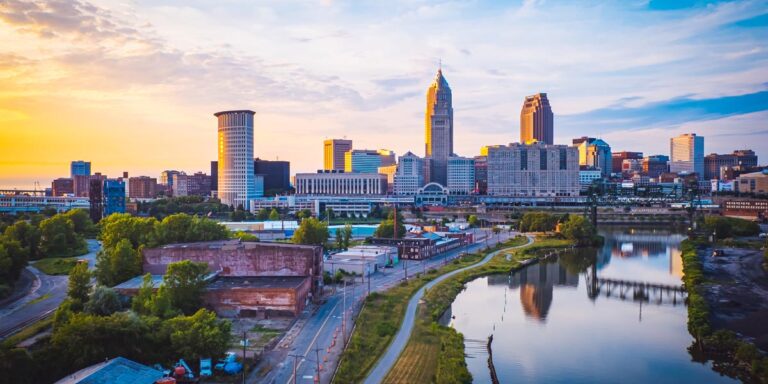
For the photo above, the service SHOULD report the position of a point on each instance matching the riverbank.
(435, 353)
(382, 315)
(727, 295)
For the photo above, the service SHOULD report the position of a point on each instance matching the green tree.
(578, 229)
(138, 230)
(263, 214)
(13, 259)
(245, 236)
(162, 305)
(104, 301)
(274, 215)
(386, 228)
(117, 264)
(27, 235)
(303, 214)
(311, 231)
(174, 229)
(339, 244)
(200, 335)
(142, 302)
(204, 229)
(82, 222)
(347, 235)
(184, 281)
(79, 285)
(59, 239)
(472, 221)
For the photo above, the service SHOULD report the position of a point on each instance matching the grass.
(26, 333)
(39, 299)
(56, 265)
(381, 317)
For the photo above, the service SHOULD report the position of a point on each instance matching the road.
(318, 336)
(387, 361)
(45, 296)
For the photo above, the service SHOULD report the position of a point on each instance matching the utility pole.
(245, 343)
(369, 280)
(294, 365)
(317, 356)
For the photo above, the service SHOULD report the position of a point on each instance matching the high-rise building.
(533, 170)
(595, 153)
(62, 186)
(713, 162)
(481, 174)
(198, 184)
(333, 153)
(438, 122)
(461, 175)
(166, 177)
(114, 196)
(619, 157)
(79, 167)
(277, 175)
(96, 199)
(215, 176)
(654, 166)
(340, 183)
(367, 161)
(537, 120)
(236, 184)
(746, 157)
(142, 187)
(410, 174)
(687, 154)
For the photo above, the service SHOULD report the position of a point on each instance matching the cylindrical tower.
(236, 180)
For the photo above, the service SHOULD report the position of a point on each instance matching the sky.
(132, 85)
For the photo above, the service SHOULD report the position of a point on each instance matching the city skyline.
(100, 80)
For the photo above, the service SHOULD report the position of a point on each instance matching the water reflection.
(577, 320)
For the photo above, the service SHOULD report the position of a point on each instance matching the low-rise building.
(746, 209)
(142, 187)
(756, 182)
(62, 187)
(341, 183)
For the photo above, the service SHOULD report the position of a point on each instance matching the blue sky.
(152, 72)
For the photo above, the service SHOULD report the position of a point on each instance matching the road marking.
(328, 317)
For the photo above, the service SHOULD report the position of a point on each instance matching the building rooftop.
(235, 111)
(231, 245)
(116, 371)
(257, 282)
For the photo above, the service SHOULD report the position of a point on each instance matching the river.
(550, 324)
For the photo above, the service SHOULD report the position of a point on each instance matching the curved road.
(387, 361)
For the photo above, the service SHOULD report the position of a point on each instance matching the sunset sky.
(132, 85)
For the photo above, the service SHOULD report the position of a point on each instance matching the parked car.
(718, 253)
(763, 235)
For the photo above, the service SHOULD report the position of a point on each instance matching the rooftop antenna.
(440, 64)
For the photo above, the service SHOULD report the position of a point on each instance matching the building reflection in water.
(536, 285)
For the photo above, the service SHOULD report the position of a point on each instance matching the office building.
(114, 196)
(340, 183)
(537, 120)
(746, 157)
(166, 177)
(533, 170)
(714, 162)
(333, 153)
(215, 176)
(461, 175)
(481, 175)
(410, 174)
(79, 167)
(587, 177)
(62, 186)
(438, 122)
(389, 171)
(687, 154)
(655, 165)
(96, 199)
(276, 174)
(142, 187)
(367, 161)
(631, 166)
(198, 184)
(619, 157)
(595, 153)
(81, 185)
(236, 184)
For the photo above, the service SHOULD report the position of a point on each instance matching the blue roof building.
(116, 371)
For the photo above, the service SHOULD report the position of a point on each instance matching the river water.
(553, 322)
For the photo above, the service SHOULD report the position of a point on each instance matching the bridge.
(660, 294)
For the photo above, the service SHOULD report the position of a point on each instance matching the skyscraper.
(687, 154)
(438, 123)
(333, 153)
(367, 160)
(537, 120)
(595, 153)
(236, 184)
(79, 167)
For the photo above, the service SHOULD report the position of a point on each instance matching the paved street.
(320, 333)
(45, 296)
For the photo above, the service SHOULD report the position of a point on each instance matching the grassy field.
(56, 265)
(382, 316)
(31, 330)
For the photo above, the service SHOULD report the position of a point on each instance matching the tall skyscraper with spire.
(537, 120)
(438, 122)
